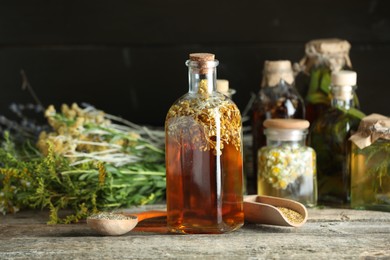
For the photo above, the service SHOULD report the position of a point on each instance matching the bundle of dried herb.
(89, 161)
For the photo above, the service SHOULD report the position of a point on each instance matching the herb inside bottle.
(329, 138)
(322, 58)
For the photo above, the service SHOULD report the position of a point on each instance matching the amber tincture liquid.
(204, 157)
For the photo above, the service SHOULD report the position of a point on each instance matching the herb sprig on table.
(89, 161)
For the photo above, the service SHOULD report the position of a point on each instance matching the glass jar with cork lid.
(370, 164)
(287, 167)
(204, 161)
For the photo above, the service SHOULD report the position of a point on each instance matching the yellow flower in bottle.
(286, 162)
(275, 154)
(275, 171)
(282, 184)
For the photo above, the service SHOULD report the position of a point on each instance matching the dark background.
(127, 57)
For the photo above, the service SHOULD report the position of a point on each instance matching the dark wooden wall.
(127, 57)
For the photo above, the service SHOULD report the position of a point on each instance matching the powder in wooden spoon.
(110, 216)
(292, 216)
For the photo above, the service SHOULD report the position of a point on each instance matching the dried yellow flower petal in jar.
(287, 167)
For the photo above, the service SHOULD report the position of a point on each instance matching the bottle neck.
(345, 104)
(202, 76)
(282, 84)
(343, 97)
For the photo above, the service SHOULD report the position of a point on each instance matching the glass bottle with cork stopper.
(277, 98)
(223, 87)
(204, 161)
(329, 137)
(322, 57)
(287, 167)
(370, 164)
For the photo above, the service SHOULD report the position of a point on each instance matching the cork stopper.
(223, 86)
(343, 84)
(282, 123)
(328, 46)
(275, 71)
(202, 57)
(203, 61)
(344, 78)
(279, 65)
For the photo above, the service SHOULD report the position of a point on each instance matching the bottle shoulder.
(277, 94)
(193, 104)
(334, 123)
(334, 114)
(282, 89)
(214, 99)
(279, 104)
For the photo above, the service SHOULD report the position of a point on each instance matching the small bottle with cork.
(223, 87)
(204, 161)
(329, 137)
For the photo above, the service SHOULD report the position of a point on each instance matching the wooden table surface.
(328, 234)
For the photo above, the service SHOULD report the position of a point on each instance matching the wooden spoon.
(116, 227)
(263, 210)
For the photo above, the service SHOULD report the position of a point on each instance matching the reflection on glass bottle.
(323, 56)
(277, 98)
(287, 167)
(329, 137)
(204, 159)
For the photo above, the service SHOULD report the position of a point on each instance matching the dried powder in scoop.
(291, 215)
(110, 216)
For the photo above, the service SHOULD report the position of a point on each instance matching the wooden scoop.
(263, 210)
(117, 227)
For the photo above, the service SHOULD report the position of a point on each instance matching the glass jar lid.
(286, 129)
(286, 123)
